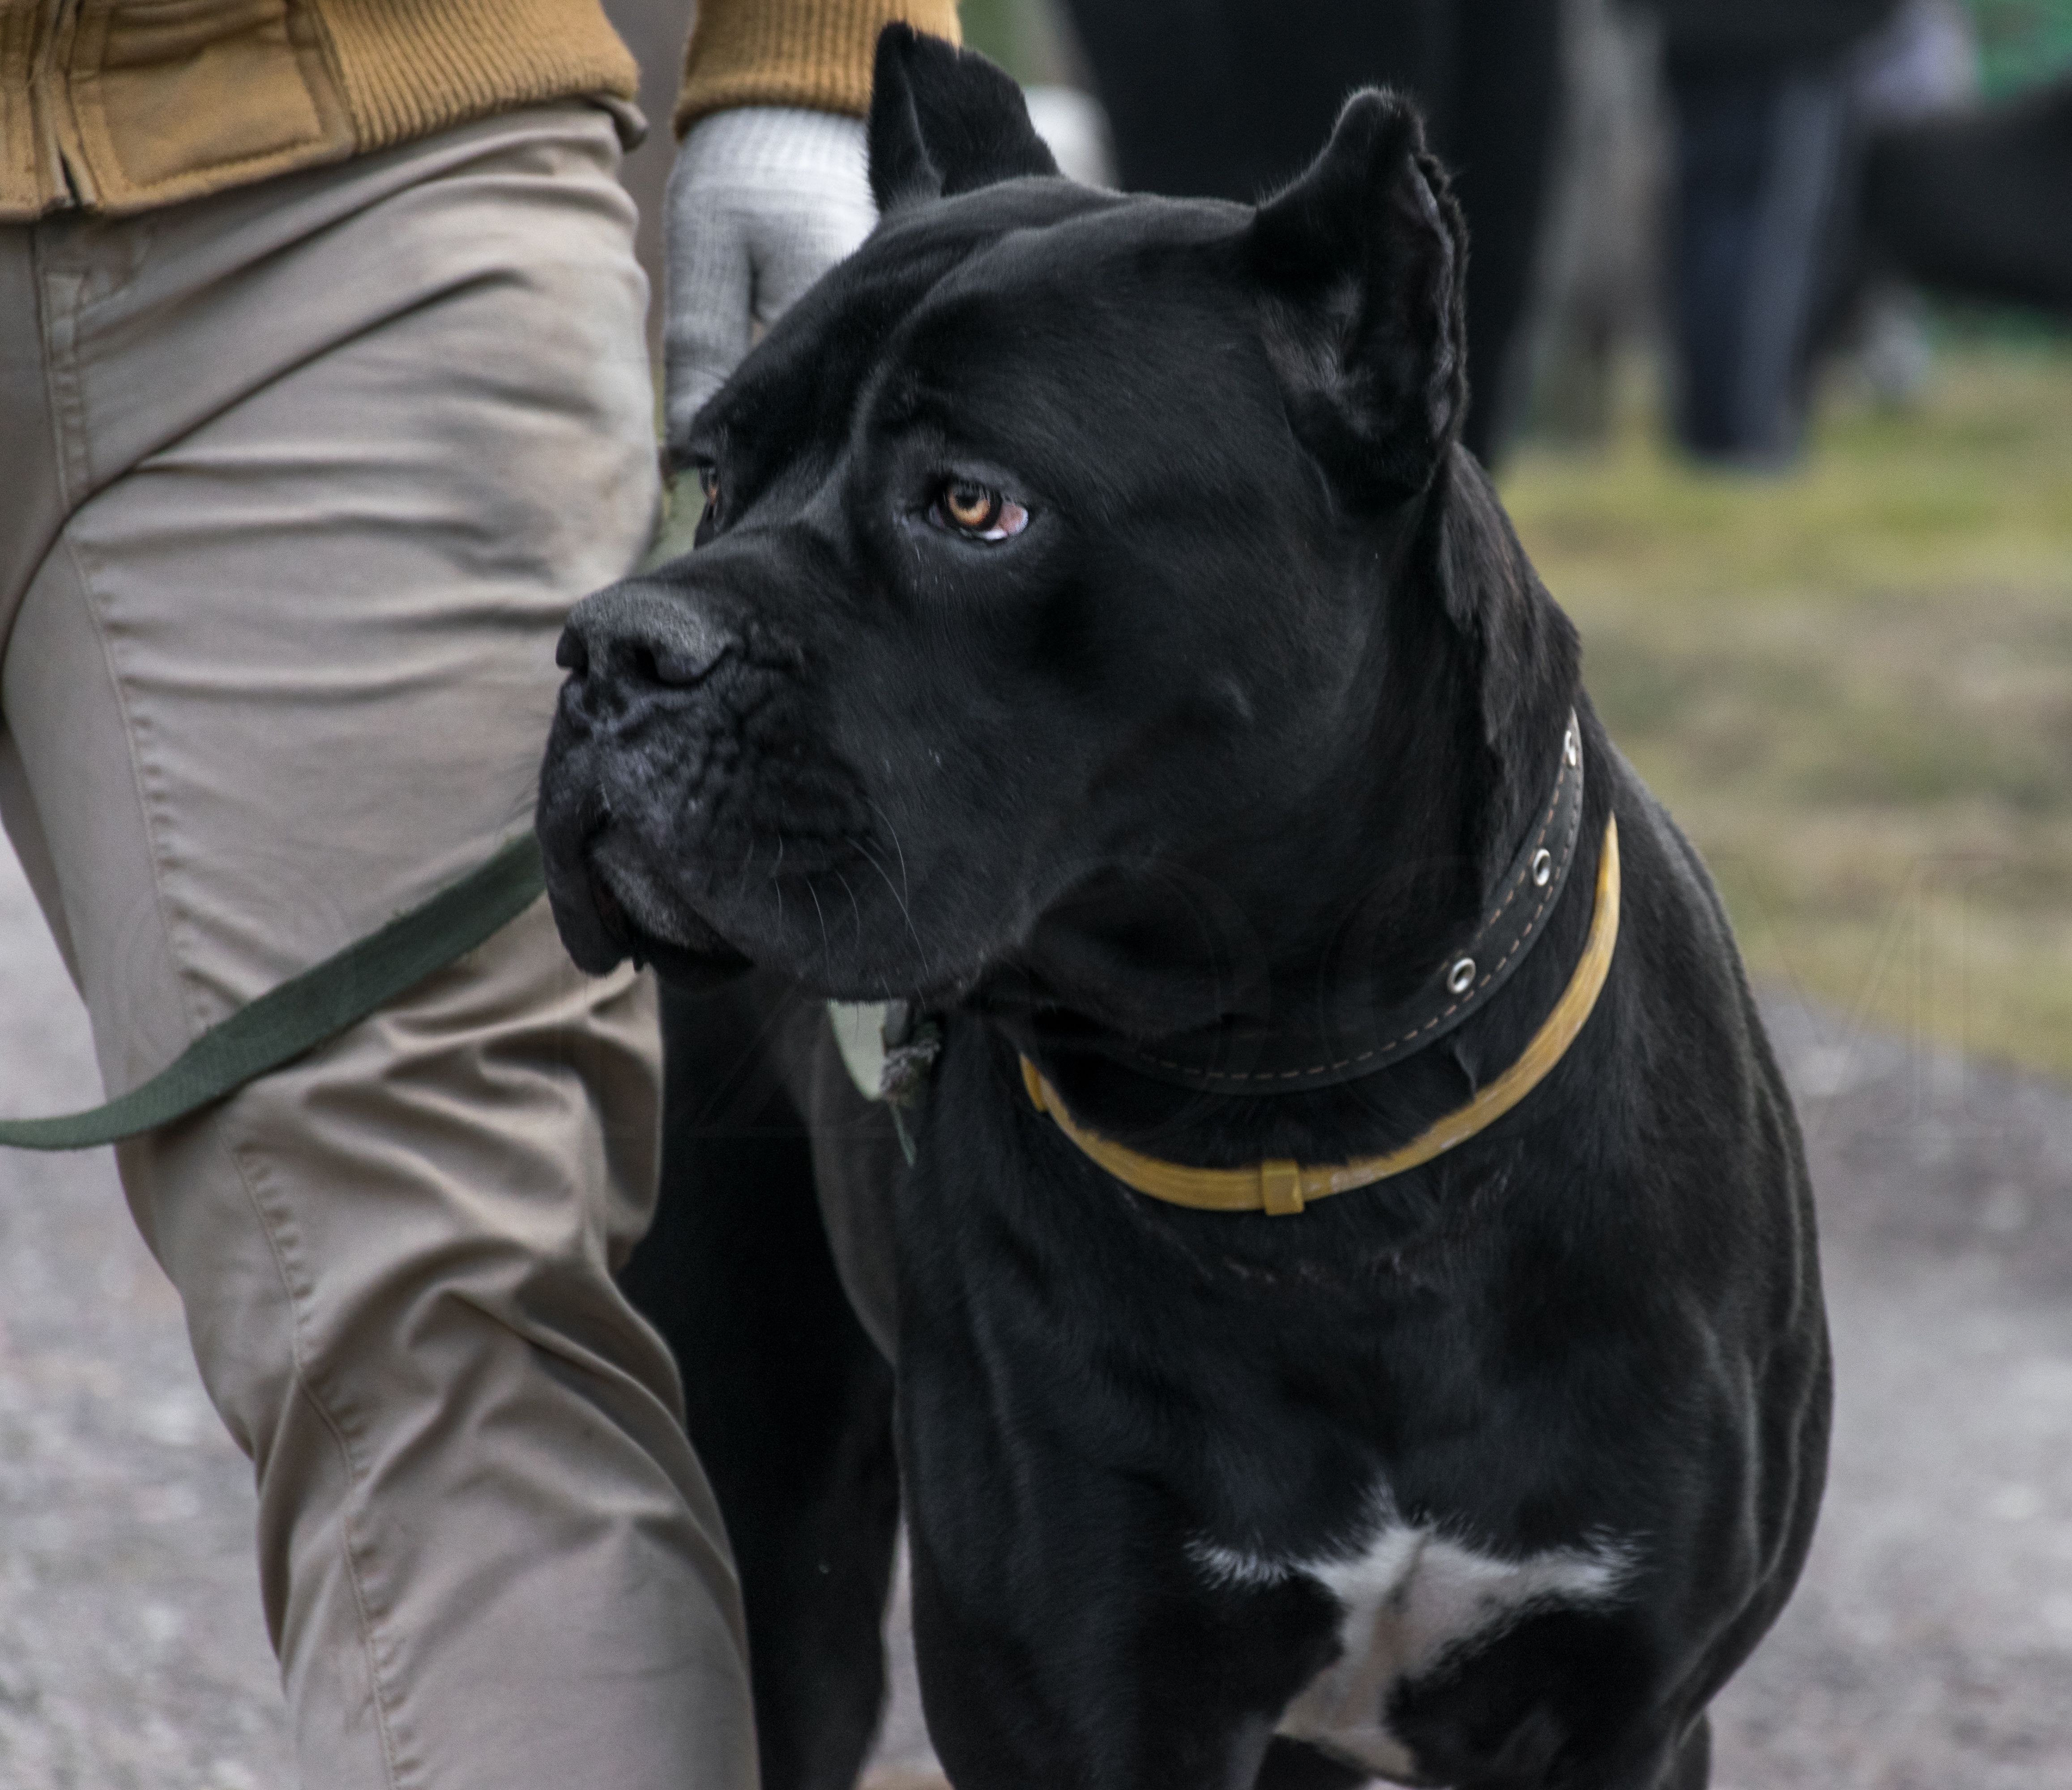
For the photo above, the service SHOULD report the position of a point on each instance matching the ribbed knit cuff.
(32, 179)
(409, 68)
(814, 53)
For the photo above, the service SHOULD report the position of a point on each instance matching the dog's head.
(1090, 590)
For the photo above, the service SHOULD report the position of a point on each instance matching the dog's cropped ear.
(944, 121)
(1361, 262)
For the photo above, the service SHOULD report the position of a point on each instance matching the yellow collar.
(1285, 1188)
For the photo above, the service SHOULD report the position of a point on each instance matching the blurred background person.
(1760, 92)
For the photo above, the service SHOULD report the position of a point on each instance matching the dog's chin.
(691, 955)
(601, 931)
(689, 968)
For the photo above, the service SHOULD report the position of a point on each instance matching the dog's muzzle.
(638, 658)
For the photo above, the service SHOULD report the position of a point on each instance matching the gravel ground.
(132, 1653)
(1930, 1647)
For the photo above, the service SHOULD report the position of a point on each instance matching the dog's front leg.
(788, 1402)
(1064, 1636)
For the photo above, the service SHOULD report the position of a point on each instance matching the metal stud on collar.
(1461, 976)
(1543, 867)
(1572, 748)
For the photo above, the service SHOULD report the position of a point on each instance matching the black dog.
(1100, 642)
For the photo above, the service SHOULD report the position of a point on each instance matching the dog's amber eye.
(977, 510)
(971, 506)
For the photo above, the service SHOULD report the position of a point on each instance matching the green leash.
(314, 1008)
(307, 1010)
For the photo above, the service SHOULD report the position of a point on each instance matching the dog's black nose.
(642, 635)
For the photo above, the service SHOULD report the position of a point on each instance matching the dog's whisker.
(906, 913)
(856, 907)
(892, 832)
(827, 950)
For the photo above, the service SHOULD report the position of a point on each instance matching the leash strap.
(314, 1008)
(308, 1009)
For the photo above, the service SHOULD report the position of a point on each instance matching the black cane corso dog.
(1354, 1294)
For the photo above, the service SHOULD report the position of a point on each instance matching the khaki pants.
(296, 485)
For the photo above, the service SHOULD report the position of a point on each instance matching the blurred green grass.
(1853, 686)
(2021, 41)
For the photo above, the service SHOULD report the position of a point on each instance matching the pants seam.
(68, 426)
(141, 780)
(373, 1640)
(59, 327)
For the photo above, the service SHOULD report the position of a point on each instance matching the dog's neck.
(1341, 901)
(1377, 889)
(1333, 1040)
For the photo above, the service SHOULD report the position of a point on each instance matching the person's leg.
(1760, 159)
(31, 511)
(1721, 137)
(1793, 248)
(336, 453)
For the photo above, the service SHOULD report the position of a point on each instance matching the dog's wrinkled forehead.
(1033, 296)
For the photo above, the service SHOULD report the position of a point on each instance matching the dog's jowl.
(1338, 1283)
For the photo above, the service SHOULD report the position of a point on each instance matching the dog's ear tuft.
(1362, 260)
(944, 121)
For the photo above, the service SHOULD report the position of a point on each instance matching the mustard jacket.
(119, 106)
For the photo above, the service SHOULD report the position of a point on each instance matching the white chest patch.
(1410, 1597)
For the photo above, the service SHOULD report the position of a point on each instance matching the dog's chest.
(1412, 1598)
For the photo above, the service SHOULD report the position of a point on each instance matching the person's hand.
(762, 201)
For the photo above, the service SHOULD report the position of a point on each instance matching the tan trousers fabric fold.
(297, 484)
